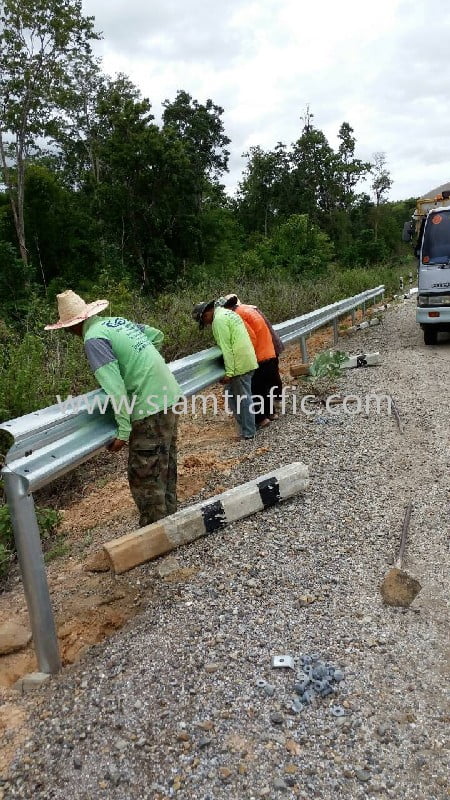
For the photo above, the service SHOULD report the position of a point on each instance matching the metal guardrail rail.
(53, 441)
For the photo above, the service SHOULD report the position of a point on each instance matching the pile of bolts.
(315, 679)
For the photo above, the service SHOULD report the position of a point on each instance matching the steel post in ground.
(34, 576)
(335, 331)
(304, 350)
(363, 308)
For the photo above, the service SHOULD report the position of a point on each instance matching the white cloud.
(381, 67)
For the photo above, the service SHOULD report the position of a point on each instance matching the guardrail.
(51, 442)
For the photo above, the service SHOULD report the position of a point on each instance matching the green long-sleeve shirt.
(232, 337)
(125, 359)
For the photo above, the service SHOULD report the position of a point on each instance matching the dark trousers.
(277, 381)
(266, 388)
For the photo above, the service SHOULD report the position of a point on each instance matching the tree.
(221, 235)
(43, 44)
(136, 184)
(103, 144)
(315, 167)
(200, 128)
(78, 133)
(261, 189)
(381, 184)
(351, 169)
(300, 245)
(147, 187)
(62, 236)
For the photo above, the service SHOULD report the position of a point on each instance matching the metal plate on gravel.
(280, 662)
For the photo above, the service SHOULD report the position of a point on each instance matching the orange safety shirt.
(258, 331)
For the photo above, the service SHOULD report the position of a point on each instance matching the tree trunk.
(16, 197)
(20, 210)
(266, 215)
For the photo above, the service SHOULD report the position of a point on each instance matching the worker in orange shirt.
(266, 382)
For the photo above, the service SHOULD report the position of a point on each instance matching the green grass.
(58, 549)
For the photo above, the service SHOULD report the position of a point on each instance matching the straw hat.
(228, 301)
(233, 299)
(73, 309)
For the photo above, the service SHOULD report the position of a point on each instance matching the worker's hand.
(116, 445)
(225, 379)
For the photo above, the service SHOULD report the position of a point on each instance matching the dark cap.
(198, 311)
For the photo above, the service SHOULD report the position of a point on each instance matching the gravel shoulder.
(170, 707)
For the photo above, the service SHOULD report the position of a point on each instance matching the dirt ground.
(89, 606)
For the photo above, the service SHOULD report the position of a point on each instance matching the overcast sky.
(382, 66)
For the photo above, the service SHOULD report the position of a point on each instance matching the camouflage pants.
(152, 466)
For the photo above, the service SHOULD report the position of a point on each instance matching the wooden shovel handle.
(405, 527)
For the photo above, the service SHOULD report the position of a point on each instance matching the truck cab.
(431, 224)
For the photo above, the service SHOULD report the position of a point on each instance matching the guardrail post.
(353, 316)
(32, 567)
(304, 350)
(364, 307)
(335, 331)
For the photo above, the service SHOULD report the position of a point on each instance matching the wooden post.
(206, 517)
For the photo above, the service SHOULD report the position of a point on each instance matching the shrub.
(48, 520)
(327, 364)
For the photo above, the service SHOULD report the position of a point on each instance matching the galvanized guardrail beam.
(53, 441)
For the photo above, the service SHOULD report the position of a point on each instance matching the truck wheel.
(429, 334)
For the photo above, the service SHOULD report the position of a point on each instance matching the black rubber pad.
(214, 516)
(269, 491)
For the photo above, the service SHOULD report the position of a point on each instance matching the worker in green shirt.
(239, 357)
(141, 390)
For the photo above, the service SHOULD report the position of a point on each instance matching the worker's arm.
(106, 370)
(155, 336)
(222, 335)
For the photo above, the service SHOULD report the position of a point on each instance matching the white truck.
(431, 224)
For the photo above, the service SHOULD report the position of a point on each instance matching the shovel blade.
(398, 588)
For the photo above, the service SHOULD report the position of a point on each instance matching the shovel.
(398, 588)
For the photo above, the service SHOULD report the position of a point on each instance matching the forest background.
(97, 197)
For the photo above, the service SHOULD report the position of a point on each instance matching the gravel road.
(170, 706)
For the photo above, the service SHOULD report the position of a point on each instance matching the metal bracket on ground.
(362, 360)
